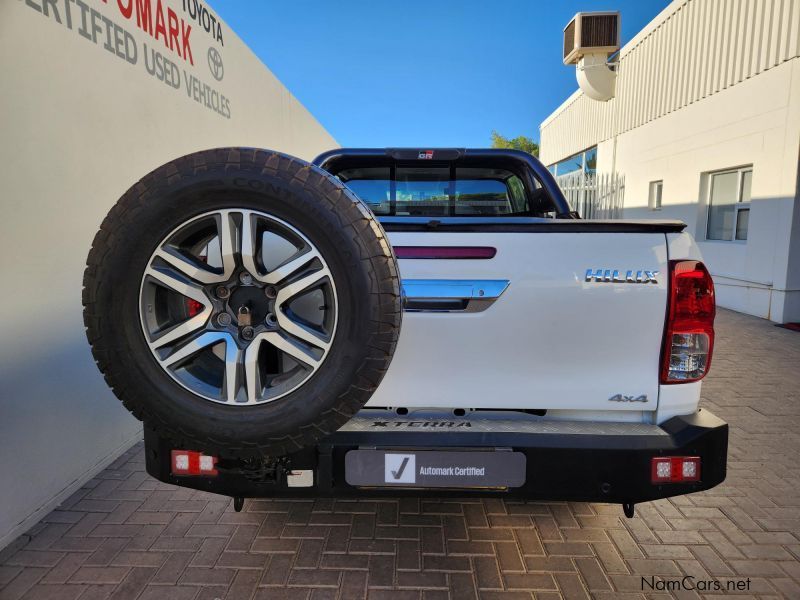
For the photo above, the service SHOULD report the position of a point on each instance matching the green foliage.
(520, 142)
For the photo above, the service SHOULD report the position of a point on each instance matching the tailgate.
(552, 339)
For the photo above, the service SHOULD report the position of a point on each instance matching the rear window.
(437, 191)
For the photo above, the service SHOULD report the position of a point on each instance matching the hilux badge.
(614, 276)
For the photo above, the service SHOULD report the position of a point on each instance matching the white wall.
(754, 123)
(79, 124)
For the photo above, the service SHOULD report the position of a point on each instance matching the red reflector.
(689, 335)
(188, 462)
(675, 469)
(446, 252)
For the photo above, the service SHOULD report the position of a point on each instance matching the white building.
(705, 127)
(95, 96)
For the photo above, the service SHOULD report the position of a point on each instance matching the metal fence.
(594, 195)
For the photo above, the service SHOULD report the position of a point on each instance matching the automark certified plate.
(434, 468)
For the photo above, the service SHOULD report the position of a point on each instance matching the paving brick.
(22, 582)
(610, 558)
(457, 547)
(209, 551)
(176, 544)
(462, 585)
(381, 571)
(549, 564)
(206, 576)
(128, 558)
(179, 525)
(592, 572)
(446, 563)
(274, 545)
(243, 537)
(134, 583)
(568, 549)
(315, 577)
(34, 558)
(7, 572)
(421, 579)
(547, 528)
(345, 561)
(529, 581)
(571, 586)
(508, 556)
(171, 570)
(277, 570)
(353, 585)
(160, 592)
(99, 575)
(487, 572)
(372, 546)
(409, 555)
(378, 594)
(432, 540)
(455, 527)
(491, 535)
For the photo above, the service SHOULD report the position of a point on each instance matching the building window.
(729, 204)
(585, 161)
(654, 197)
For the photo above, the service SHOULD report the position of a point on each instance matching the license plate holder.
(460, 469)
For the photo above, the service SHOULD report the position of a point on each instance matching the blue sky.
(422, 73)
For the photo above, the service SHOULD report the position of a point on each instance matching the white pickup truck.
(247, 305)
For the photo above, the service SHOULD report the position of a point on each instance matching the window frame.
(651, 198)
(738, 205)
(553, 167)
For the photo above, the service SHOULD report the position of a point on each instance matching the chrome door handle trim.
(451, 295)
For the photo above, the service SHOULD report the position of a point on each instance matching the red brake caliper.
(194, 307)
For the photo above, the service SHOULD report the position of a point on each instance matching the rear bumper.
(605, 462)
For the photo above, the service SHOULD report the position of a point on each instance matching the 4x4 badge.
(624, 398)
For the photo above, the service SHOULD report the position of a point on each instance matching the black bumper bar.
(561, 463)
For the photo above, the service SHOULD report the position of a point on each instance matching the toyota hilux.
(402, 321)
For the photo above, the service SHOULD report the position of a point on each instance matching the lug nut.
(245, 278)
(222, 291)
(270, 291)
(223, 319)
(270, 321)
(248, 333)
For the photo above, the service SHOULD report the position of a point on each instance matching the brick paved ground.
(128, 536)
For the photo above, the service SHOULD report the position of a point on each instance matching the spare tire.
(241, 302)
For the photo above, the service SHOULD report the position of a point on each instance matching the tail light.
(675, 469)
(188, 462)
(689, 336)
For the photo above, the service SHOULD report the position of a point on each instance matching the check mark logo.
(399, 472)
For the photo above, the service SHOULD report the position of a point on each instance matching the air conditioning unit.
(591, 33)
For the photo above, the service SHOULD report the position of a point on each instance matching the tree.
(520, 142)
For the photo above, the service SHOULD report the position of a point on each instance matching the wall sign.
(166, 50)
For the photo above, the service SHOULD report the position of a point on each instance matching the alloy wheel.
(238, 306)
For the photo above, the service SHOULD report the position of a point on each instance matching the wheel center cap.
(253, 299)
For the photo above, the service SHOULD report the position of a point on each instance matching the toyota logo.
(215, 64)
